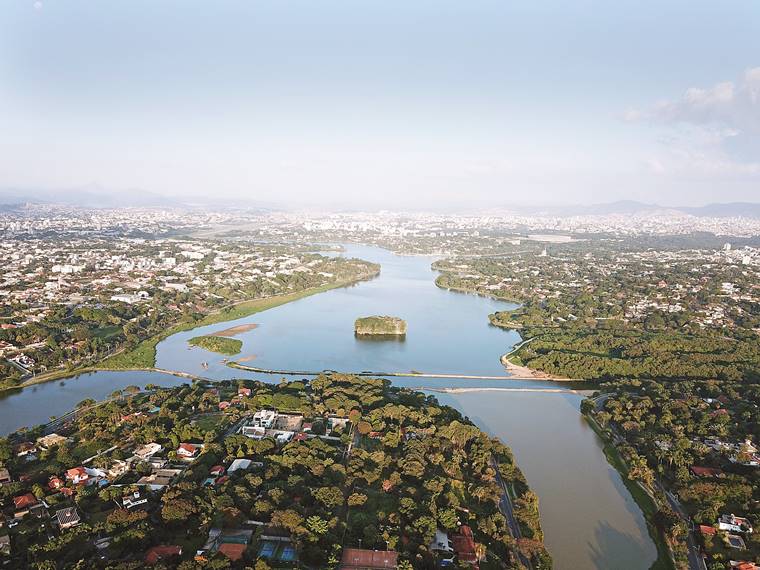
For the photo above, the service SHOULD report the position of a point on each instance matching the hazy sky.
(385, 102)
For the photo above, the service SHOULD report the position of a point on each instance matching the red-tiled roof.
(76, 472)
(708, 530)
(24, 501)
(357, 558)
(706, 471)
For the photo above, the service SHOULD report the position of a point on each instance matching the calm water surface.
(589, 518)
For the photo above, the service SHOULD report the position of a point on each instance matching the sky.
(384, 103)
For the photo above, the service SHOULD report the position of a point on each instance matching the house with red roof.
(77, 475)
(707, 530)
(706, 472)
(55, 482)
(188, 450)
(743, 565)
(217, 470)
(24, 501)
(244, 392)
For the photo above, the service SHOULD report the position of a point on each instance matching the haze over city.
(378, 104)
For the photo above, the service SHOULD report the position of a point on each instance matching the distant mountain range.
(90, 196)
(95, 196)
(715, 210)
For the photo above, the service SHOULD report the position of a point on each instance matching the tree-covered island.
(242, 474)
(380, 326)
(220, 344)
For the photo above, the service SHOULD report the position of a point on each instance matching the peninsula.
(203, 475)
(380, 326)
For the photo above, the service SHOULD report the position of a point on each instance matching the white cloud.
(708, 131)
(735, 105)
(38, 5)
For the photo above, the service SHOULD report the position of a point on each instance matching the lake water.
(589, 518)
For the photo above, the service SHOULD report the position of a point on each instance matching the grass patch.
(219, 344)
(208, 422)
(107, 332)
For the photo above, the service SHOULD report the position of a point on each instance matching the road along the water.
(589, 518)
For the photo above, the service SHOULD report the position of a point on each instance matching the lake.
(589, 518)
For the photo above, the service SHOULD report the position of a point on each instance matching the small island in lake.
(219, 344)
(380, 326)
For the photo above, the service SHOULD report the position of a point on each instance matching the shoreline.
(645, 501)
(526, 373)
(515, 370)
(149, 344)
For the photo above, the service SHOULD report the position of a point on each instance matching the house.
(239, 464)
(5, 477)
(51, 440)
(133, 500)
(144, 452)
(188, 450)
(24, 502)
(159, 479)
(217, 470)
(264, 418)
(117, 469)
(706, 472)
(55, 482)
(163, 552)
(25, 449)
(67, 517)
(244, 392)
(254, 432)
(743, 565)
(442, 547)
(77, 475)
(707, 530)
(732, 523)
(224, 405)
(464, 546)
(362, 559)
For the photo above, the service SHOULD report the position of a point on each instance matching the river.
(589, 518)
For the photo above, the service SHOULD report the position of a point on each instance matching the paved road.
(696, 562)
(505, 504)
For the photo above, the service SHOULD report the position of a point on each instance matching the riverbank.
(453, 289)
(143, 356)
(515, 370)
(645, 501)
(526, 373)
